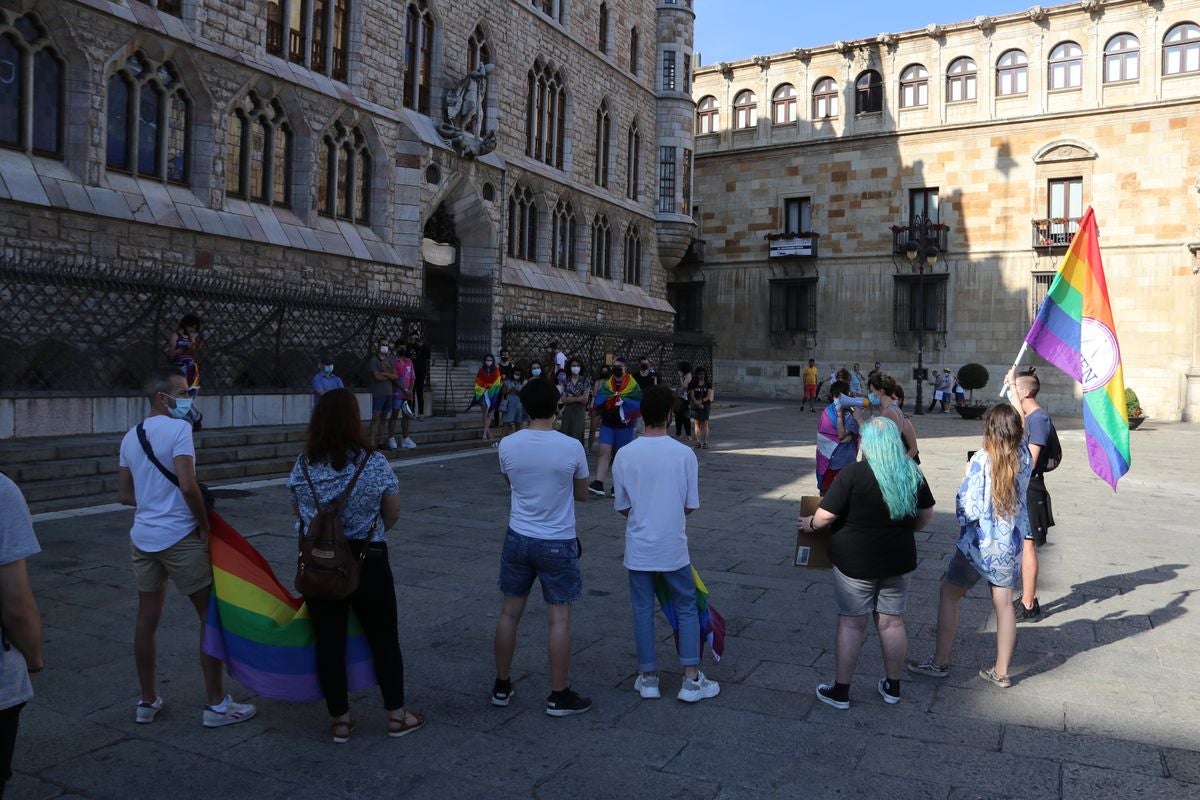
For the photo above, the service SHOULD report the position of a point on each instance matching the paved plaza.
(1104, 703)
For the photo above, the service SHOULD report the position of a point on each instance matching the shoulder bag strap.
(141, 434)
(350, 486)
(311, 488)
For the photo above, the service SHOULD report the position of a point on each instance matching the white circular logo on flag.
(1098, 353)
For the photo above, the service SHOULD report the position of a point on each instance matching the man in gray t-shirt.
(21, 635)
(383, 371)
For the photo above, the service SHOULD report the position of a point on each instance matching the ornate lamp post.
(921, 253)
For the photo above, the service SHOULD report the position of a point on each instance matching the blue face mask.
(182, 407)
(328, 368)
(535, 372)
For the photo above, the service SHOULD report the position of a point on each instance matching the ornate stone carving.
(1092, 6)
(844, 47)
(933, 30)
(762, 62)
(726, 70)
(463, 112)
(802, 53)
(985, 23)
(1037, 13)
(887, 39)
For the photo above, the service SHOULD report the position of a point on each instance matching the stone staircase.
(57, 473)
(460, 381)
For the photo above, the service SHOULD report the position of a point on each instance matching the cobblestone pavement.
(1104, 701)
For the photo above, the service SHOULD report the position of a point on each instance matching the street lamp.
(920, 258)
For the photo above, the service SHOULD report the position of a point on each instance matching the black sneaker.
(1027, 614)
(596, 488)
(566, 703)
(502, 692)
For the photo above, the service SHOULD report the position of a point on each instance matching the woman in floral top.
(992, 519)
(576, 391)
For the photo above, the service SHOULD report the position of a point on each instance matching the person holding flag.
(619, 401)
(488, 383)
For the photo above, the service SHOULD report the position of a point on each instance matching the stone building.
(492, 160)
(980, 143)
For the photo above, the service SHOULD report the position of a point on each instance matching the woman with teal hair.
(873, 509)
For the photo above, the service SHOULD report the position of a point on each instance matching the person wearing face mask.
(512, 412)
(324, 381)
(182, 348)
(402, 392)
(603, 374)
(646, 376)
(421, 355)
(170, 538)
(615, 430)
(883, 389)
(383, 371)
(576, 392)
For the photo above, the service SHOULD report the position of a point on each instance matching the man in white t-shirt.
(548, 473)
(655, 479)
(560, 358)
(169, 538)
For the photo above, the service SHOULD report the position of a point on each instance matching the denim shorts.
(857, 597)
(616, 437)
(382, 404)
(960, 571)
(555, 562)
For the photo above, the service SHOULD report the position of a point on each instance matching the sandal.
(341, 731)
(401, 727)
(990, 675)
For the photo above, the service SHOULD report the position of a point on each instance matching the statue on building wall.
(464, 115)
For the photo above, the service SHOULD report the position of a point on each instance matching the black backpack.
(1051, 455)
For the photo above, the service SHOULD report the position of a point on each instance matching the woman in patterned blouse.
(992, 519)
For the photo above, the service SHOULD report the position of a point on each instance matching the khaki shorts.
(186, 562)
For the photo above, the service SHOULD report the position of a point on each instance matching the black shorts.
(1041, 515)
(700, 414)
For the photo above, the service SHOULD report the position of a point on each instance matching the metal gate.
(476, 299)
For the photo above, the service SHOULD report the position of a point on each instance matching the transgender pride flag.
(1074, 331)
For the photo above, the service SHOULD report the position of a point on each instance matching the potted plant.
(1133, 408)
(971, 377)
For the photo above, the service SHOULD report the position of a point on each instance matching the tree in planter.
(971, 377)
(1133, 406)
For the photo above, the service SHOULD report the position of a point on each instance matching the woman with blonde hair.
(992, 520)
(874, 507)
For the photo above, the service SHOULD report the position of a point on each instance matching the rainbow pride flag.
(263, 633)
(712, 624)
(1074, 331)
(487, 388)
(625, 396)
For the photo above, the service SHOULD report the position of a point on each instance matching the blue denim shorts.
(960, 571)
(617, 437)
(555, 562)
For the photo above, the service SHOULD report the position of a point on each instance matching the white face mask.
(383, 349)
(574, 370)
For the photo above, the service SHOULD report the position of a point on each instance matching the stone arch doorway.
(459, 255)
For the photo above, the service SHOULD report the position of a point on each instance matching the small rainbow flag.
(487, 388)
(712, 624)
(625, 396)
(1074, 331)
(263, 633)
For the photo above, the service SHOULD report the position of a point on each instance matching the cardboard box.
(812, 549)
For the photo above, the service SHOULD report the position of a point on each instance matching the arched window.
(707, 115)
(602, 31)
(522, 224)
(546, 115)
(479, 52)
(634, 44)
(603, 143)
(914, 86)
(745, 110)
(1066, 66)
(962, 80)
(601, 247)
(1181, 49)
(633, 255)
(868, 93)
(31, 88)
(344, 175)
(1121, 58)
(633, 158)
(149, 117)
(825, 99)
(418, 55)
(783, 105)
(258, 159)
(1012, 73)
(562, 236)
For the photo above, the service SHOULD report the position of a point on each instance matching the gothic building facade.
(913, 193)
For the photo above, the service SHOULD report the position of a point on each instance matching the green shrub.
(972, 376)
(1133, 406)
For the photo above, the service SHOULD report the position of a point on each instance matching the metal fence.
(598, 344)
(81, 326)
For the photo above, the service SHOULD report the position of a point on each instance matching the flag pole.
(1016, 361)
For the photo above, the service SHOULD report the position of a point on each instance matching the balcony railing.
(274, 38)
(1054, 231)
(804, 244)
(296, 46)
(339, 63)
(924, 235)
(695, 253)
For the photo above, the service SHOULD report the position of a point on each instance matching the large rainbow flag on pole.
(712, 624)
(1074, 331)
(263, 633)
(487, 388)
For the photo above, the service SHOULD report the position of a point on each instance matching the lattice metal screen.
(599, 345)
(80, 326)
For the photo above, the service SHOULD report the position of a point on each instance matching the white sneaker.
(227, 712)
(408, 443)
(146, 712)
(647, 687)
(693, 691)
(391, 443)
